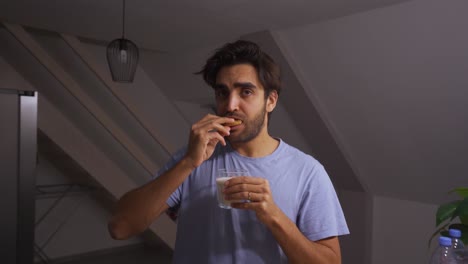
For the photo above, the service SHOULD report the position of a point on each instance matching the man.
(292, 214)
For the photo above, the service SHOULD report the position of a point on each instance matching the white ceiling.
(174, 25)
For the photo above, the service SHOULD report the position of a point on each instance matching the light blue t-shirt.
(209, 234)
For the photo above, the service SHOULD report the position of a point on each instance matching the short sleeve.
(320, 214)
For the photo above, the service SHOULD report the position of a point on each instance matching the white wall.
(401, 230)
(357, 208)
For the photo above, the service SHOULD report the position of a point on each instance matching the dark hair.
(239, 52)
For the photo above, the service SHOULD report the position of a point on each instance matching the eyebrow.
(236, 84)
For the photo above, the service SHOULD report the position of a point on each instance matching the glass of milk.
(222, 177)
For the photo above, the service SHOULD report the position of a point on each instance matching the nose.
(232, 103)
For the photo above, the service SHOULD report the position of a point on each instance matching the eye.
(221, 93)
(247, 92)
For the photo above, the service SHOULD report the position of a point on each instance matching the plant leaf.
(464, 219)
(463, 192)
(462, 209)
(446, 211)
(464, 238)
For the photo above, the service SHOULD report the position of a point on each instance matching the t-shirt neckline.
(264, 158)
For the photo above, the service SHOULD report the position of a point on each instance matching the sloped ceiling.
(172, 26)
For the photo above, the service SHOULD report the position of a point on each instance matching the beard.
(252, 127)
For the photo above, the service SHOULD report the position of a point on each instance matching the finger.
(245, 180)
(224, 122)
(202, 124)
(215, 127)
(212, 119)
(244, 189)
(222, 119)
(229, 121)
(246, 196)
(215, 138)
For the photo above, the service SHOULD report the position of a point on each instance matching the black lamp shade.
(122, 56)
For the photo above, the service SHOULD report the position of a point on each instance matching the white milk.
(220, 185)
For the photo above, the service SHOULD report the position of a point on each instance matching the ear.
(271, 101)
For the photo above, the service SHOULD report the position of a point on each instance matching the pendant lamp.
(122, 56)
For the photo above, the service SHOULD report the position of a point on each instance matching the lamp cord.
(123, 19)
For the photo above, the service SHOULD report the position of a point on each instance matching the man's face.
(239, 94)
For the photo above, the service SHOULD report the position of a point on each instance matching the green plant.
(447, 213)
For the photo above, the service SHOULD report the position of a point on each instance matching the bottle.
(455, 234)
(459, 251)
(443, 254)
